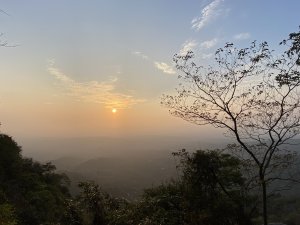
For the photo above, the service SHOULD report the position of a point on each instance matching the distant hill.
(45, 149)
(122, 166)
(120, 176)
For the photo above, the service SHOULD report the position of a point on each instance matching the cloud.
(188, 46)
(207, 56)
(242, 36)
(140, 54)
(208, 13)
(164, 67)
(209, 44)
(93, 91)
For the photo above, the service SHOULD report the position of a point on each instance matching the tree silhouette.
(30, 192)
(253, 94)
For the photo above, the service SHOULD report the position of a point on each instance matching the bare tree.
(253, 94)
(4, 43)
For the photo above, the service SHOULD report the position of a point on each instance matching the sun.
(114, 110)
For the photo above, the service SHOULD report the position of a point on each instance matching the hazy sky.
(76, 60)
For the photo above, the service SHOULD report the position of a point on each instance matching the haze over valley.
(123, 166)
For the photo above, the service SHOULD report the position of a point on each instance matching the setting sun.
(114, 110)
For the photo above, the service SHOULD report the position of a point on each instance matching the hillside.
(120, 176)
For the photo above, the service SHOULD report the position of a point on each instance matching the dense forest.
(211, 189)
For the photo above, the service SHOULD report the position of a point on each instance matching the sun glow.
(114, 110)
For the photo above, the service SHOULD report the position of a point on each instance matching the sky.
(68, 63)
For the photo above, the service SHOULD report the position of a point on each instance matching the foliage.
(10, 158)
(285, 209)
(211, 189)
(34, 190)
(208, 192)
(158, 205)
(214, 189)
(92, 199)
(73, 213)
(93, 206)
(7, 215)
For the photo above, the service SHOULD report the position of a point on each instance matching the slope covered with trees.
(30, 192)
(211, 189)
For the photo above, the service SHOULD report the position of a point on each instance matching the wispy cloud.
(208, 13)
(188, 46)
(209, 44)
(242, 36)
(207, 56)
(140, 54)
(93, 91)
(164, 67)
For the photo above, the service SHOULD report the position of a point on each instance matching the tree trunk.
(99, 215)
(264, 199)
